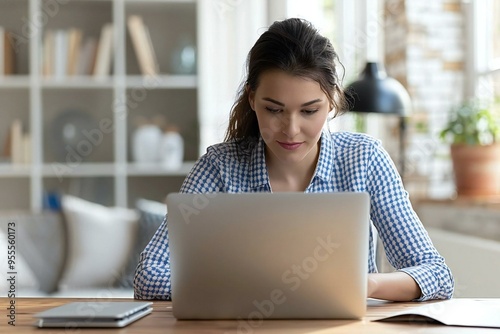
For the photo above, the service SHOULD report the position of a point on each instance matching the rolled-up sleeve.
(406, 242)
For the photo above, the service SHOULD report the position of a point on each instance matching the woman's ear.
(251, 97)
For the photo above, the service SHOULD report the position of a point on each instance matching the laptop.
(268, 255)
(93, 314)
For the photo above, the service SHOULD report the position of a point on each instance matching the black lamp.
(375, 92)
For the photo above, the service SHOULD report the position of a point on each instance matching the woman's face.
(291, 112)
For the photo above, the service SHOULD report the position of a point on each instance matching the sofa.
(83, 250)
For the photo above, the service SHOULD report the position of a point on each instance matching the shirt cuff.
(429, 284)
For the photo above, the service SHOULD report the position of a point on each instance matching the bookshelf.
(46, 100)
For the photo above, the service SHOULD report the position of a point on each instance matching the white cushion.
(100, 240)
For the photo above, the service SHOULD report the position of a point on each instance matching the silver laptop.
(268, 256)
(93, 314)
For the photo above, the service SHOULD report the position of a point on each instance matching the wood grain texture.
(162, 321)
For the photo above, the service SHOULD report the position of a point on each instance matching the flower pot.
(476, 169)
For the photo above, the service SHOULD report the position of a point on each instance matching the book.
(104, 51)
(60, 53)
(16, 142)
(7, 146)
(7, 52)
(143, 46)
(48, 54)
(463, 312)
(2, 50)
(86, 60)
(74, 45)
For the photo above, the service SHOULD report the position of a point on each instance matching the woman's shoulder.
(351, 140)
(229, 151)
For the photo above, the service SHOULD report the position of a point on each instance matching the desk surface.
(162, 321)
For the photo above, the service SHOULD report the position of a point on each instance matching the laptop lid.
(273, 256)
(93, 314)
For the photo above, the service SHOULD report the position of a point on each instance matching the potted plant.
(474, 134)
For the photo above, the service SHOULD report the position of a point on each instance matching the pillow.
(151, 215)
(42, 243)
(24, 277)
(100, 240)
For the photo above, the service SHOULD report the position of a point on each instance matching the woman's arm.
(406, 242)
(396, 286)
(152, 275)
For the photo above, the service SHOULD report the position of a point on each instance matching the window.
(484, 51)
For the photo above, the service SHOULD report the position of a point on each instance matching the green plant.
(471, 124)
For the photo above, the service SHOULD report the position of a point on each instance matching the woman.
(275, 142)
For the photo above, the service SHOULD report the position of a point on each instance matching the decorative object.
(171, 150)
(375, 92)
(474, 132)
(184, 56)
(145, 142)
(68, 129)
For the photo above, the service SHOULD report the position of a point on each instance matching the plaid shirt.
(347, 162)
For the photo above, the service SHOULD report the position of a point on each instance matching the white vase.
(171, 150)
(145, 142)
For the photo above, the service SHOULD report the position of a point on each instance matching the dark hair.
(295, 47)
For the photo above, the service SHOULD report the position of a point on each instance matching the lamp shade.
(375, 92)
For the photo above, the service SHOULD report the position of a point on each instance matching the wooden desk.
(162, 321)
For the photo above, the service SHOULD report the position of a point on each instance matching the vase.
(171, 150)
(145, 143)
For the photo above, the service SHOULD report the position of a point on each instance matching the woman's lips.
(289, 146)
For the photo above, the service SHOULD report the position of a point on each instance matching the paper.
(453, 312)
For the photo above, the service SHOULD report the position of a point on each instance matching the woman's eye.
(273, 110)
(309, 111)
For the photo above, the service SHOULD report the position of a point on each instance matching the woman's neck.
(287, 177)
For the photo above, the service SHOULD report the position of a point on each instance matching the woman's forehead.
(284, 85)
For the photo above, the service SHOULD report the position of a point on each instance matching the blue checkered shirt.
(347, 162)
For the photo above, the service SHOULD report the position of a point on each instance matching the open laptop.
(93, 314)
(268, 255)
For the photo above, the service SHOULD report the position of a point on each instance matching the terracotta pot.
(477, 170)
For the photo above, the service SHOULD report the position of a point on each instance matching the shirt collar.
(324, 167)
(259, 178)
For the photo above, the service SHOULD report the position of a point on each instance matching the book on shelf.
(104, 52)
(67, 52)
(20, 144)
(74, 45)
(7, 146)
(60, 53)
(143, 46)
(48, 53)
(86, 59)
(7, 52)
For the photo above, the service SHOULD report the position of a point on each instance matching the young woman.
(275, 142)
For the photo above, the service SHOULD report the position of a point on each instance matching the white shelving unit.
(107, 174)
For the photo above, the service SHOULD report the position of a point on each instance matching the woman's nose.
(290, 125)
